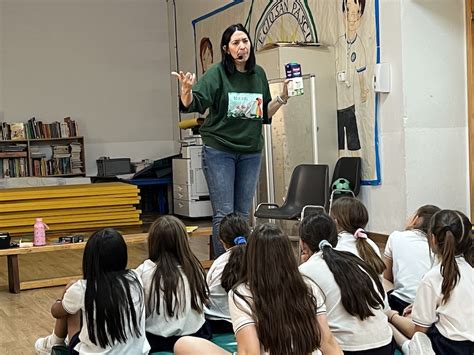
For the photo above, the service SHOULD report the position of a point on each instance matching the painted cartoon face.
(239, 47)
(206, 60)
(353, 13)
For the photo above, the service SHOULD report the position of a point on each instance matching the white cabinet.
(190, 193)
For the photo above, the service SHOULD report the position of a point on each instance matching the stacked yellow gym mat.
(69, 208)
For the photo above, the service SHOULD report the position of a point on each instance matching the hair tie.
(446, 229)
(240, 240)
(324, 243)
(360, 233)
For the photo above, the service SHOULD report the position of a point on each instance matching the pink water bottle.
(39, 229)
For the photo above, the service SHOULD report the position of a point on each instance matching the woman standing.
(237, 94)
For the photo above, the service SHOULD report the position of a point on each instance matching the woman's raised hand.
(187, 80)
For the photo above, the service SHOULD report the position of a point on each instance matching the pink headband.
(360, 233)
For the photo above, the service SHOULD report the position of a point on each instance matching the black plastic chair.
(348, 168)
(307, 192)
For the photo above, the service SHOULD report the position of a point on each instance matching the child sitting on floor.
(175, 286)
(351, 217)
(442, 307)
(225, 271)
(353, 291)
(274, 309)
(110, 299)
(407, 258)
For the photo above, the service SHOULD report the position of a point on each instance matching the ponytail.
(352, 216)
(451, 237)
(368, 254)
(233, 268)
(449, 267)
(355, 279)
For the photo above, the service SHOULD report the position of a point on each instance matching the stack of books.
(13, 161)
(76, 161)
(61, 160)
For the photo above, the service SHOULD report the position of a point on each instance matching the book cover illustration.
(17, 131)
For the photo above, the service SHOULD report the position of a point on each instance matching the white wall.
(387, 203)
(422, 122)
(105, 63)
(436, 106)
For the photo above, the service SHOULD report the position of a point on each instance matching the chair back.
(309, 185)
(348, 168)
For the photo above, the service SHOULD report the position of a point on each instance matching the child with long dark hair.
(351, 218)
(225, 271)
(407, 258)
(274, 309)
(175, 286)
(442, 307)
(110, 298)
(353, 291)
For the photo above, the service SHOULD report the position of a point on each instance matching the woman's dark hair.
(109, 307)
(452, 232)
(350, 214)
(169, 249)
(424, 213)
(282, 304)
(361, 4)
(353, 276)
(227, 60)
(231, 227)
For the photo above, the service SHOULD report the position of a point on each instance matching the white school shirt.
(455, 318)
(187, 322)
(351, 333)
(73, 301)
(411, 259)
(218, 308)
(347, 242)
(241, 313)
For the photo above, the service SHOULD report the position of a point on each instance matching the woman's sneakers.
(420, 344)
(43, 346)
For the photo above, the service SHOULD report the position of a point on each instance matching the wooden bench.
(15, 285)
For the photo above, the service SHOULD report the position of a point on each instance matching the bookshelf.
(42, 157)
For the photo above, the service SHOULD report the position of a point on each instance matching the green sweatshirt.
(237, 108)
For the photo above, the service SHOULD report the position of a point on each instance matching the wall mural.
(348, 25)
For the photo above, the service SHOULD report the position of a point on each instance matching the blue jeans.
(232, 181)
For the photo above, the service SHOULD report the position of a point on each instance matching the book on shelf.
(18, 147)
(13, 154)
(37, 129)
(5, 131)
(17, 131)
(13, 167)
(39, 153)
(76, 162)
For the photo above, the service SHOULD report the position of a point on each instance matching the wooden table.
(15, 285)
